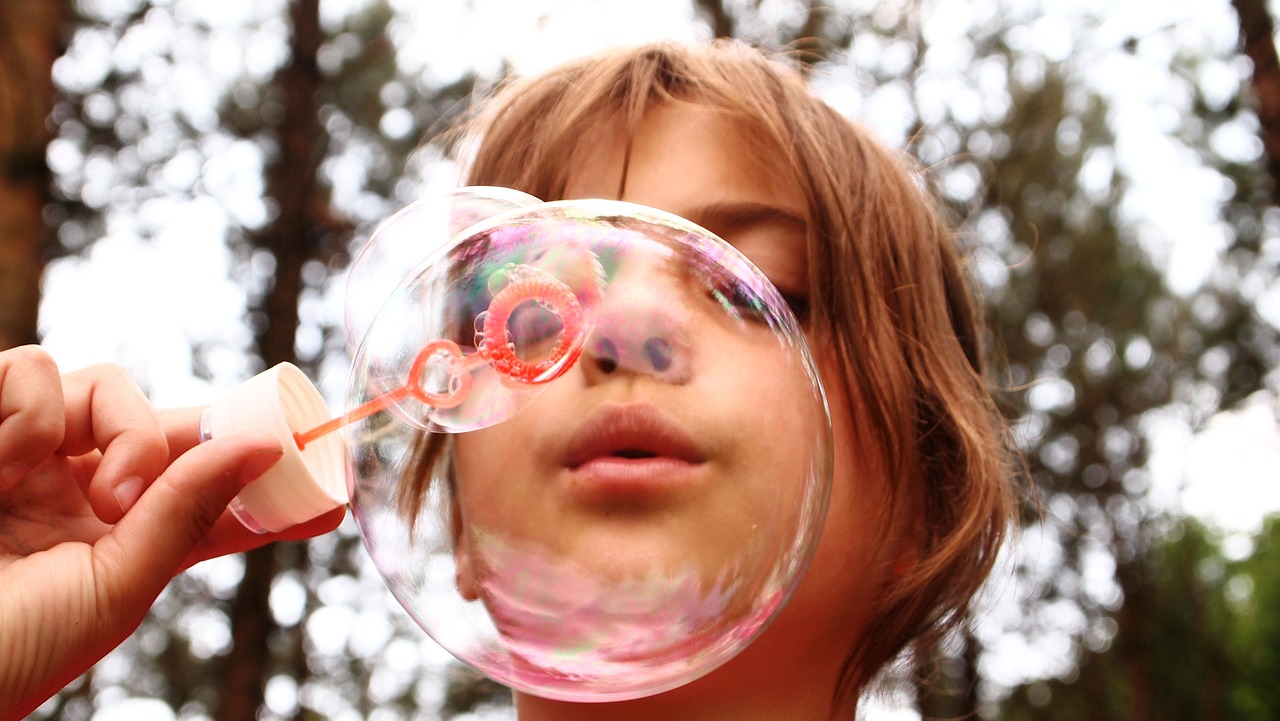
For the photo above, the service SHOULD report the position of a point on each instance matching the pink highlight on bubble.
(562, 623)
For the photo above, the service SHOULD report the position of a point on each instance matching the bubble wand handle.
(526, 284)
(364, 411)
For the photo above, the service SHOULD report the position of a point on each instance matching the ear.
(464, 576)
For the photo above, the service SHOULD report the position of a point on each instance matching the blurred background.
(185, 181)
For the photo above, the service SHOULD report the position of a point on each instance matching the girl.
(921, 495)
(736, 142)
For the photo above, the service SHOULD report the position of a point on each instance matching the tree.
(1096, 344)
(1251, 592)
(1177, 354)
(1019, 138)
(301, 231)
(1211, 644)
(1257, 42)
(130, 149)
(30, 40)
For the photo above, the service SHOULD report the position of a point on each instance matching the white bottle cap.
(303, 484)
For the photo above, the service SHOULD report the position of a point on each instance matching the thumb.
(147, 547)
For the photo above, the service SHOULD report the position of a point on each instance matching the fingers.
(32, 418)
(181, 428)
(148, 546)
(119, 445)
(229, 536)
(96, 409)
(105, 410)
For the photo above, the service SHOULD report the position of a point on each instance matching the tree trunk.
(723, 24)
(946, 686)
(1257, 40)
(292, 238)
(247, 665)
(30, 40)
(1135, 647)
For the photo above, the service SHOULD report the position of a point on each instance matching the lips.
(631, 447)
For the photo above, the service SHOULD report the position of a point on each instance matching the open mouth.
(630, 432)
(633, 453)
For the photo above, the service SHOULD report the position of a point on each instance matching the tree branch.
(1257, 41)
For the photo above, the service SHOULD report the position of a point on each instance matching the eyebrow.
(723, 218)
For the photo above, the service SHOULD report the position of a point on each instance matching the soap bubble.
(408, 237)
(606, 453)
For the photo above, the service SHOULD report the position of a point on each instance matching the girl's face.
(575, 489)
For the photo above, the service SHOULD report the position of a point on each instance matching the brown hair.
(887, 294)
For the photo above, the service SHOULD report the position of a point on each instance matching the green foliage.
(1207, 647)
(1250, 590)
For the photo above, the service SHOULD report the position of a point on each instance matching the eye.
(739, 299)
(799, 305)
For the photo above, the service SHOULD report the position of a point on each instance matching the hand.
(102, 500)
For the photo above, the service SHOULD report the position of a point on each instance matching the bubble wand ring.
(495, 348)
(459, 375)
(494, 338)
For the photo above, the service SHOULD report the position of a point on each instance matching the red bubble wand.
(495, 347)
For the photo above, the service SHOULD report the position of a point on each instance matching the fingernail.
(127, 493)
(12, 473)
(258, 464)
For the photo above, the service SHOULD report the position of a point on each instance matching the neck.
(769, 692)
(668, 709)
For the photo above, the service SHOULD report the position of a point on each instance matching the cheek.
(486, 502)
(857, 545)
(477, 456)
(481, 462)
(501, 473)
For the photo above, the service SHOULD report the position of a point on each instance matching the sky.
(95, 310)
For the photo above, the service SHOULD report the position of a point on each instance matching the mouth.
(631, 432)
(635, 453)
(629, 450)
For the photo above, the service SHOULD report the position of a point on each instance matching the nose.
(640, 326)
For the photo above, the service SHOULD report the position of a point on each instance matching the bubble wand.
(527, 284)
(307, 479)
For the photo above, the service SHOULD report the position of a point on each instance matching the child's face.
(523, 476)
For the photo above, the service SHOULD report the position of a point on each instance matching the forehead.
(683, 157)
(702, 165)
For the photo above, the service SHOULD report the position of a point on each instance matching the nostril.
(658, 352)
(605, 354)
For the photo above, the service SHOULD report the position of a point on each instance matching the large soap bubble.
(605, 455)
